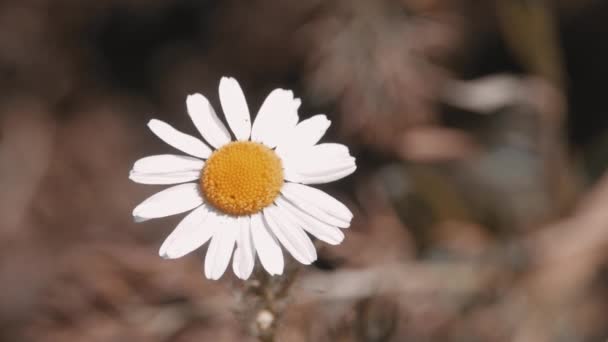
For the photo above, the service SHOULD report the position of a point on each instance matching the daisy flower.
(247, 191)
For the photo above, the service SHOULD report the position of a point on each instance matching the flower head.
(251, 191)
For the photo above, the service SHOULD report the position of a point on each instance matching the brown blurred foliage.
(480, 198)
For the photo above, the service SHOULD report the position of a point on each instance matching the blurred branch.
(413, 279)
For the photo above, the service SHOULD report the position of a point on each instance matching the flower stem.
(266, 298)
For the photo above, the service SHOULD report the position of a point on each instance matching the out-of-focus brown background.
(481, 199)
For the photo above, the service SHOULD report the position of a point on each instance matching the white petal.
(291, 236)
(315, 157)
(181, 141)
(314, 209)
(206, 121)
(164, 178)
(235, 108)
(304, 135)
(171, 201)
(321, 167)
(319, 199)
(319, 164)
(221, 246)
(166, 163)
(317, 228)
(166, 169)
(317, 153)
(244, 255)
(266, 247)
(328, 177)
(276, 118)
(191, 233)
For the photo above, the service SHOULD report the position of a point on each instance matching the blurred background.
(480, 201)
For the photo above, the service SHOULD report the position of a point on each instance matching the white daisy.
(250, 192)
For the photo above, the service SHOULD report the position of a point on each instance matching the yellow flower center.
(242, 178)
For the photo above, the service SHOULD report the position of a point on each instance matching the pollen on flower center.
(242, 178)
